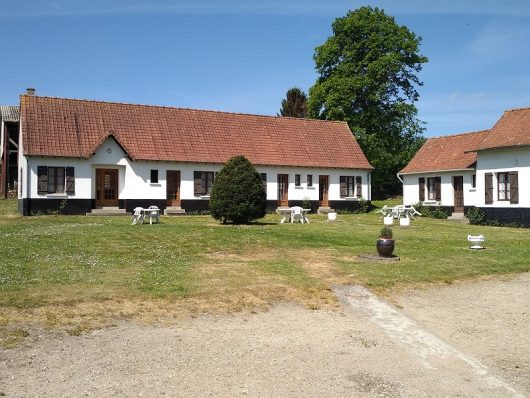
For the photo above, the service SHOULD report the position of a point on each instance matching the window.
(203, 182)
(474, 181)
(347, 186)
(310, 180)
(55, 180)
(434, 188)
(508, 186)
(154, 176)
(503, 186)
(297, 178)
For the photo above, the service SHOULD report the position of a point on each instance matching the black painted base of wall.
(519, 216)
(28, 207)
(32, 207)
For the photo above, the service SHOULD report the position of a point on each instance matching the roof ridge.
(184, 109)
(517, 109)
(460, 134)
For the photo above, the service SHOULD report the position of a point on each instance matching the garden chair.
(154, 213)
(297, 214)
(138, 215)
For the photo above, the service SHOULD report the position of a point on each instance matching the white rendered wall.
(499, 161)
(411, 187)
(134, 177)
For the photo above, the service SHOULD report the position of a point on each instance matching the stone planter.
(385, 247)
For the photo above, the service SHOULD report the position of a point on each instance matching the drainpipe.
(399, 178)
(28, 187)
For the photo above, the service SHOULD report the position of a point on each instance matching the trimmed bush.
(238, 195)
(476, 216)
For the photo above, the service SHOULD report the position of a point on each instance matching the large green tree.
(368, 78)
(294, 104)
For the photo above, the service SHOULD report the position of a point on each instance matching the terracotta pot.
(385, 247)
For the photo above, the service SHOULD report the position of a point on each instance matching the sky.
(243, 55)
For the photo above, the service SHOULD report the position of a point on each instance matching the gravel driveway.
(290, 351)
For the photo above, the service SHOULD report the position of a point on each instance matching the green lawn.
(94, 263)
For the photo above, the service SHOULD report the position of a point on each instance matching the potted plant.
(385, 242)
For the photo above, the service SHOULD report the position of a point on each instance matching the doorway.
(173, 188)
(458, 187)
(106, 187)
(283, 189)
(323, 188)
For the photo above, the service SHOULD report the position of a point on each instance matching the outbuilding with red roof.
(81, 155)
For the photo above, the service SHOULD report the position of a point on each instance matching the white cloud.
(500, 42)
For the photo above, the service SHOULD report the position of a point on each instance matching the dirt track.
(288, 351)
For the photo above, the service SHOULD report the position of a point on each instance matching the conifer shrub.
(238, 195)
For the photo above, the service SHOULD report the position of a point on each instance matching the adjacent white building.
(78, 155)
(487, 169)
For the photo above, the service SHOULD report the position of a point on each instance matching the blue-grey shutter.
(198, 186)
(70, 181)
(514, 187)
(343, 186)
(42, 178)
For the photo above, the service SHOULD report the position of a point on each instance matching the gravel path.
(288, 351)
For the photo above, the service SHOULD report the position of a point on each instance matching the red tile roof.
(446, 153)
(512, 129)
(76, 128)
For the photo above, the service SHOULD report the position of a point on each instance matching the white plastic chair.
(137, 215)
(154, 213)
(297, 214)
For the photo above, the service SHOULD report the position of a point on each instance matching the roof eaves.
(498, 147)
(435, 171)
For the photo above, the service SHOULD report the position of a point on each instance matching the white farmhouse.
(80, 155)
(487, 169)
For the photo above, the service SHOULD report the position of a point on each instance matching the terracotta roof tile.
(512, 129)
(76, 128)
(446, 153)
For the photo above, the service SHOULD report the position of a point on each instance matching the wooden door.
(323, 187)
(283, 189)
(173, 188)
(458, 187)
(106, 187)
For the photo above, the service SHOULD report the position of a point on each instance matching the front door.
(323, 187)
(283, 189)
(173, 188)
(106, 187)
(458, 187)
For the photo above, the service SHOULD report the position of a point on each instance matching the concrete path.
(431, 351)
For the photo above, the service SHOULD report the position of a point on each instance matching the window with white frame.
(503, 186)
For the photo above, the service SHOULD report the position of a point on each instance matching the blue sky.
(242, 56)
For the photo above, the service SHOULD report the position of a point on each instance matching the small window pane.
(309, 180)
(154, 176)
(297, 180)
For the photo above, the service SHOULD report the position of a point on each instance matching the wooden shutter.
(421, 186)
(342, 186)
(514, 187)
(438, 188)
(198, 185)
(359, 182)
(488, 188)
(42, 173)
(70, 181)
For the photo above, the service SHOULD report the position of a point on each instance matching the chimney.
(30, 91)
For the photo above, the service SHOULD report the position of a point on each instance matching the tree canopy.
(294, 104)
(238, 194)
(368, 77)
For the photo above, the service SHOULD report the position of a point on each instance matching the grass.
(77, 272)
